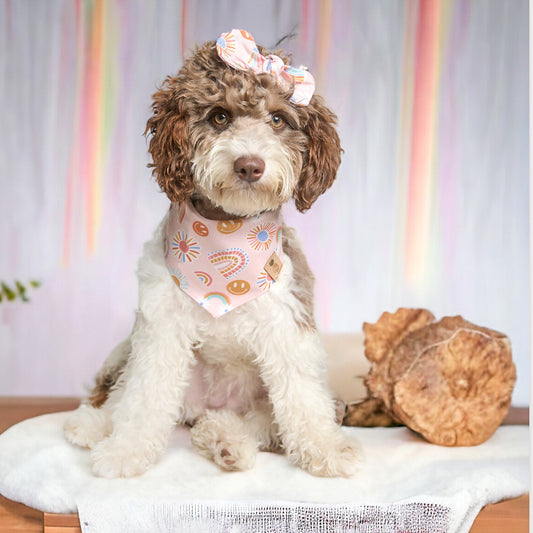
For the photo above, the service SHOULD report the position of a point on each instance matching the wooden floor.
(511, 516)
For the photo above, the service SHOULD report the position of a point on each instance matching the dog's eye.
(277, 122)
(220, 119)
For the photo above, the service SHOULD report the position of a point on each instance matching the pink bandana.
(237, 48)
(223, 263)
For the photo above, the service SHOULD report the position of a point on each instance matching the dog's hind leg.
(91, 422)
(87, 425)
(110, 373)
(231, 440)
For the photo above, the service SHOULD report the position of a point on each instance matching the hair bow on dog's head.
(237, 48)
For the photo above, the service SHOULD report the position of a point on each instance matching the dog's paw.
(235, 456)
(223, 438)
(87, 426)
(337, 457)
(114, 457)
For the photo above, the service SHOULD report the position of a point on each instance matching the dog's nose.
(249, 168)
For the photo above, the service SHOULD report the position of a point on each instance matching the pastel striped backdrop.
(431, 203)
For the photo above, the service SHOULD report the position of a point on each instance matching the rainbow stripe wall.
(430, 207)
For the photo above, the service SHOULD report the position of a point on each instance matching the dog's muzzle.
(249, 168)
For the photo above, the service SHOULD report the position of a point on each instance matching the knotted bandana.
(223, 264)
(237, 48)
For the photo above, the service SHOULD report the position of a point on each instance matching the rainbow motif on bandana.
(217, 298)
(204, 277)
(229, 262)
(181, 213)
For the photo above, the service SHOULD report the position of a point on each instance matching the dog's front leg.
(293, 367)
(148, 399)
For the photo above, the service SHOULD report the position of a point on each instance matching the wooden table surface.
(511, 516)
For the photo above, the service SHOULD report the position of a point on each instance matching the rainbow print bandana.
(223, 264)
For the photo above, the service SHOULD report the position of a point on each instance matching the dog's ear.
(323, 154)
(170, 145)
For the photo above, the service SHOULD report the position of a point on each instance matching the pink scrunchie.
(237, 48)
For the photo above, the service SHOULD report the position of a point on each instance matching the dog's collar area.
(223, 264)
(200, 207)
(207, 210)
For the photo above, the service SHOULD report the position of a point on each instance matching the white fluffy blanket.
(403, 484)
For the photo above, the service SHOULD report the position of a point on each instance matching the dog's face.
(237, 139)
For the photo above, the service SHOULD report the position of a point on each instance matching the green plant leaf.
(20, 290)
(8, 292)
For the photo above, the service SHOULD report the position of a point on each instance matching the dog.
(237, 356)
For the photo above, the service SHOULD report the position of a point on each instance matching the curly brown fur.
(323, 156)
(100, 392)
(304, 275)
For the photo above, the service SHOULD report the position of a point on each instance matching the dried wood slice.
(381, 341)
(458, 388)
(369, 413)
(451, 381)
(390, 330)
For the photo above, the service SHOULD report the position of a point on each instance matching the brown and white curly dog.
(228, 145)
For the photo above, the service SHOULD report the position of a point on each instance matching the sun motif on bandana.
(184, 248)
(264, 281)
(179, 279)
(260, 238)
